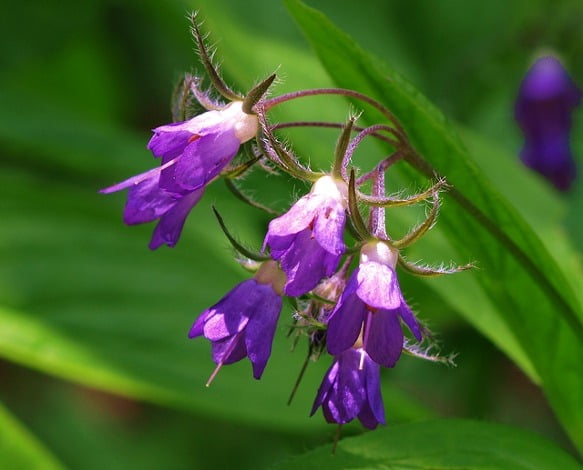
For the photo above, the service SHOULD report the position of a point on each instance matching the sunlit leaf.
(516, 272)
(445, 444)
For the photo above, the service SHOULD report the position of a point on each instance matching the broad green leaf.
(527, 286)
(19, 449)
(443, 444)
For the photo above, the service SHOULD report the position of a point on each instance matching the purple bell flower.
(193, 153)
(351, 388)
(308, 239)
(243, 322)
(372, 305)
(545, 102)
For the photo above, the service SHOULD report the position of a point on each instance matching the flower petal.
(231, 314)
(378, 286)
(201, 161)
(197, 328)
(298, 218)
(348, 395)
(261, 329)
(171, 223)
(329, 228)
(345, 321)
(168, 141)
(147, 202)
(325, 386)
(373, 390)
(383, 337)
(410, 320)
(305, 263)
(229, 350)
(367, 417)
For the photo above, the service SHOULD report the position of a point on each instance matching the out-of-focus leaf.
(517, 273)
(443, 444)
(19, 449)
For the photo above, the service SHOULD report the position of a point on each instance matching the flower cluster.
(333, 260)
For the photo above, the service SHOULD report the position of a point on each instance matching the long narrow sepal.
(236, 245)
(431, 271)
(425, 353)
(406, 201)
(246, 199)
(207, 62)
(423, 227)
(239, 170)
(256, 94)
(342, 145)
(355, 217)
(181, 99)
(280, 156)
(202, 96)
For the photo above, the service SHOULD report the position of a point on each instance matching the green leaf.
(19, 449)
(442, 444)
(522, 280)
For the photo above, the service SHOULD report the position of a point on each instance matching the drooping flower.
(544, 106)
(243, 322)
(193, 153)
(308, 239)
(372, 305)
(351, 389)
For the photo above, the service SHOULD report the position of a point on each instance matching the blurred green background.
(96, 363)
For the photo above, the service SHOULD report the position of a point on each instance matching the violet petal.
(231, 314)
(201, 161)
(261, 329)
(170, 226)
(410, 320)
(345, 321)
(229, 350)
(383, 337)
(378, 286)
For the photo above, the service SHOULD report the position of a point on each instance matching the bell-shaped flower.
(308, 239)
(193, 153)
(372, 305)
(351, 389)
(544, 108)
(243, 322)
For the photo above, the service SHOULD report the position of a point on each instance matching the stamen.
(225, 356)
(361, 363)
(214, 374)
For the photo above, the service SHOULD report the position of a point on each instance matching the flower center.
(331, 188)
(379, 252)
(245, 125)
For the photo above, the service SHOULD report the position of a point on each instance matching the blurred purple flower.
(308, 239)
(243, 322)
(545, 102)
(193, 153)
(351, 388)
(371, 308)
